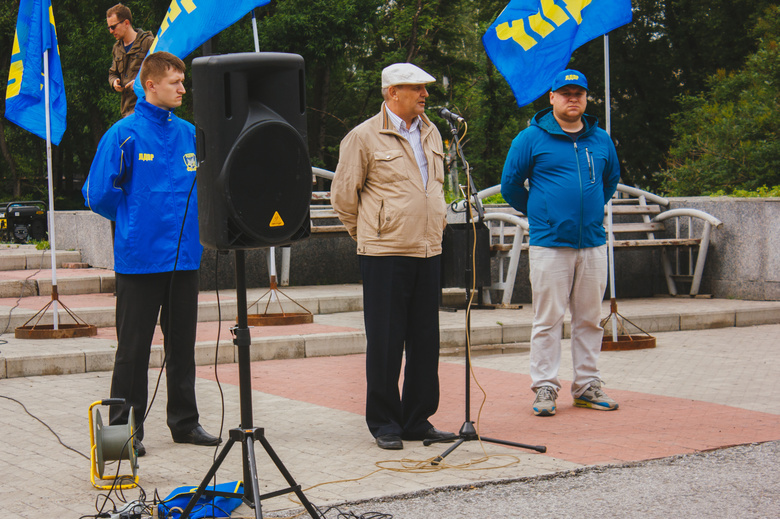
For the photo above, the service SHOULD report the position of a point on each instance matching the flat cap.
(405, 74)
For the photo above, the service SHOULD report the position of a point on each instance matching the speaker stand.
(246, 433)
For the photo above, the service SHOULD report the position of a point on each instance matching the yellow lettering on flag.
(517, 32)
(552, 11)
(173, 12)
(575, 8)
(15, 73)
(539, 25)
(276, 221)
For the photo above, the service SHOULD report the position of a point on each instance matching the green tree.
(85, 54)
(332, 36)
(727, 137)
(669, 49)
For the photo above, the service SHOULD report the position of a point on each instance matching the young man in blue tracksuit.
(572, 171)
(143, 177)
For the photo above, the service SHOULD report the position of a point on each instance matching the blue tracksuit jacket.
(141, 177)
(570, 181)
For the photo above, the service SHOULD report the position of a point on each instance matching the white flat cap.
(405, 74)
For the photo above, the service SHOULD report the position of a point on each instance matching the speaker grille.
(268, 182)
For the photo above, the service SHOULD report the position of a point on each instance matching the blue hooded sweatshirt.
(142, 177)
(570, 181)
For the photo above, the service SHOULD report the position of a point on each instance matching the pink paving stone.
(646, 426)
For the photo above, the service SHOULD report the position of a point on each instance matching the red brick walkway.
(646, 426)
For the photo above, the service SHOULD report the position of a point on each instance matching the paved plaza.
(711, 383)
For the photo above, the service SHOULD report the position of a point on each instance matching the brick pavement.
(698, 390)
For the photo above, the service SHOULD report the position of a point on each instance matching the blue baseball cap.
(569, 77)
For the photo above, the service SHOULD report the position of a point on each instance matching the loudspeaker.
(254, 176)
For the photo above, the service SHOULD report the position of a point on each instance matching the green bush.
(761, 192)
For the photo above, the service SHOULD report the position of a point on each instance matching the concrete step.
(337, 328)
(70, 281)
(99, 308)
(27, 257)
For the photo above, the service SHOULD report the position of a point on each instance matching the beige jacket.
(378, 193)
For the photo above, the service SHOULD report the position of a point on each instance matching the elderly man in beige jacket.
(388, 192)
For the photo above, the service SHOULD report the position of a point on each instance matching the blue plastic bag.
(176, 502)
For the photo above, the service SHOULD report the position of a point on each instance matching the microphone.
(446, 114)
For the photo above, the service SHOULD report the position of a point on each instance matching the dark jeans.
(401, 312)
(139, 299)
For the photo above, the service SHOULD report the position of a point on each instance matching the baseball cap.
(405, 74)
(569, 77)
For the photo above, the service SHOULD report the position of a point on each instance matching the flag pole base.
(282, 318)
(79, 328)
(627, 342)
(624, 340)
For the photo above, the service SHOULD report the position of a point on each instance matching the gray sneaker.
(595, 398)
(544, 405)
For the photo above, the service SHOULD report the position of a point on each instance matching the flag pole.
(271, 250)
(608, 122)
(273, 292)
(52, 241)
(607, 105)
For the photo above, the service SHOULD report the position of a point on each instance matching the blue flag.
(25, 103)
(532, 40)
(186, 26)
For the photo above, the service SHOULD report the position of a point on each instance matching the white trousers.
(562, 277)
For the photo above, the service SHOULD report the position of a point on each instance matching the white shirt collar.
(400, 124)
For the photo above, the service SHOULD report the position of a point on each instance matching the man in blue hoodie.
(572, 170)
(143, 178)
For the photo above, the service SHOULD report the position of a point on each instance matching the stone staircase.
(26, 271)
(25, 288)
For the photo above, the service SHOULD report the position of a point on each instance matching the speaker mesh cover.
(267, 178)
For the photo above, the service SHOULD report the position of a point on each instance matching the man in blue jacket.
(572, 171)
(143, 178)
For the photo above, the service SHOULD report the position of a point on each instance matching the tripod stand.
(246, 433)
(467, 431)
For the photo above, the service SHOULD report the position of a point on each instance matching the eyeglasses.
(112, 27)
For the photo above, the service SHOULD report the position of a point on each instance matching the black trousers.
(139, 300)
(401, 312)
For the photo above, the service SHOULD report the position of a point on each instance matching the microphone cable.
(165, 347)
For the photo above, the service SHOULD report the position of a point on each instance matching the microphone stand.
(467, 431)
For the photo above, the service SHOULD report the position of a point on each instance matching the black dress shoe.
(140, 450)
(435, 434)
(390, 442)
(197, 436)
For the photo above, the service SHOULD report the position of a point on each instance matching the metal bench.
(640, 220)
(690, 231)
(323, 218)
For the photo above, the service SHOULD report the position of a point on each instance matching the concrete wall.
(743, 260)
(320, 260)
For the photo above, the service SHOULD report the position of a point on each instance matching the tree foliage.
(727, 138)
(670, 49)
